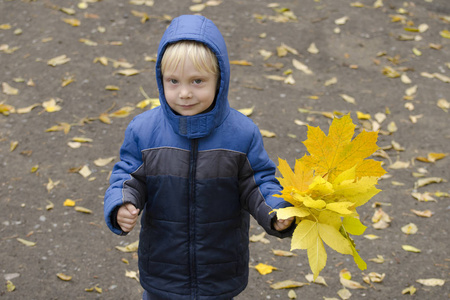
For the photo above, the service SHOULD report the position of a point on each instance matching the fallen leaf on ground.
(283, 253)
(83, 210)
(319, 279)
(259, 238)
(432, 157)
(85, 171)
(410, 228)
(64, 277)
(10, 287)
(425, 213)
(26, 243)
(9, 90)
(101, 162)
(133, 247)
(132, 275)
(410, 248)
(302, 67)
(241, 63)
(287, 284)
(264, 269)
(426, 181)
(292, 294)
(344, 294)
(371, 236)
(411, 290)
(247, 111)
(58, 60)
(69, 203)
(379, 259)
(268, 134)
(431, 282)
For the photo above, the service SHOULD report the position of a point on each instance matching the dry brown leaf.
(259, 238)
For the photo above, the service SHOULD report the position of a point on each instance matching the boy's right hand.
(127, 217)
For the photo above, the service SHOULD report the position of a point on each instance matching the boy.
(195, 168)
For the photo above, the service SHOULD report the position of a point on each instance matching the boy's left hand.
(281, 225)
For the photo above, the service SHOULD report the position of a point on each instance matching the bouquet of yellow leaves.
(325, 189)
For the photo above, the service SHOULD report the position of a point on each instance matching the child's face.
(189, 91)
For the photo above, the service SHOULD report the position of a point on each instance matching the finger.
(132, 209)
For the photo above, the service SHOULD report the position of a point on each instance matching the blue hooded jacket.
(196, 179)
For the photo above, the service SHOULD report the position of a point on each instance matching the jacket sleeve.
(258, 185)
(127, 181)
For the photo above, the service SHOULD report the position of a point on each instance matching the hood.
(200, 29)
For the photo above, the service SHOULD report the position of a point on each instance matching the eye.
(198, 81)
(173, 81)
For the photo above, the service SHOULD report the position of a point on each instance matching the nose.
(185, 93)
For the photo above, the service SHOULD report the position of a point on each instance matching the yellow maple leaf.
(331, 155)
(326, 187)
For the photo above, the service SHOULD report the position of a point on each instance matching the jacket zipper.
(192, 216)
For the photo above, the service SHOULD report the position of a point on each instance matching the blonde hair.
(202, 57)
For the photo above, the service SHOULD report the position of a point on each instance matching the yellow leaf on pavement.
(72, 21)
(26, 243)
(247, 111)
(410, 228)
(83, 210)
(9, 90)
(411, 248)
(64, 277)
(264, 269)
(101, 162)
(287, 284)
(431, 282)
(128, 72)
(266, 133)
(69, 202)
(411, 290)
(132, 275)
(133, 247)
(58, 60)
